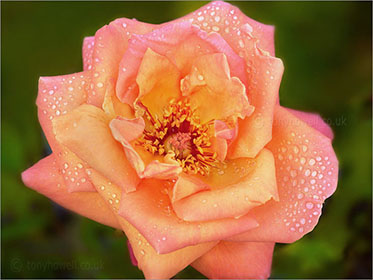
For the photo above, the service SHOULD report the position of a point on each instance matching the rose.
(173, 133)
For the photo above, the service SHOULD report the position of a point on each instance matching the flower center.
(180, 135)
(179, 144)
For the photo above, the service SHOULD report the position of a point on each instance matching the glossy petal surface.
(235, 200)
(237, 260)
(45, 178)
(307, 173)
(111, 42)
(149, 210)
(154, 265)
(86, 132)
(57, 96)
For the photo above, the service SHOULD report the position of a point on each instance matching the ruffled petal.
(154, 265)
(88, 44)
(113, 107)
(181, 43)
(186, 186)
(226, 20)
(307, 174)
(256, 187)
(160, 170)
(158, 81)
(210, 79)
(237, 260)
(111, 42)
(86, 132)
(224, 135)
(45, 178)
(315, 121)
(254, 42)
(150, 212)
(57, 96)
(126, 130)
(264, 74)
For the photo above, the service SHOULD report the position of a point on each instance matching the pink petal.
(223, 137)
(158, 81)
(58, 96)
(88, 44)
(237, 260)
(186, 186)
(223, 131)
(150, 212)
(315, 121)
(86, 132)
(226, 20)
(45, 177)
(264, 75)
(132, 255)
(111, 42)
(252, 41)
(210, 79)
(307, 174)
(129, 129)
(154, 265)
(233, 200)
(160, 170)
(112, 106)
(125, 130)
(181, 43)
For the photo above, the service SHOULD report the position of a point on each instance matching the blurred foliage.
(326, 49)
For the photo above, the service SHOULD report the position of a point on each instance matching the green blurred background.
(326, 49)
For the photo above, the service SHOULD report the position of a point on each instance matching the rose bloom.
(174, 134)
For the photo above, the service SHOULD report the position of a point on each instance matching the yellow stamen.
(179, 133)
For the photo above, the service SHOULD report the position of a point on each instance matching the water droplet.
(312, 162)
(309, 205)
(300, 196)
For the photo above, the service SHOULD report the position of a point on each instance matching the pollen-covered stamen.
(180, 134)
(180, 144)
